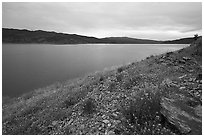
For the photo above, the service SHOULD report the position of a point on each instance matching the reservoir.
(26, 67)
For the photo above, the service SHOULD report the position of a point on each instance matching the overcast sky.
(159, 21)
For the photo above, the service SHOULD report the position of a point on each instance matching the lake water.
(26, 67)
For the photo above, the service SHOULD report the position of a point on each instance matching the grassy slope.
(128, 100)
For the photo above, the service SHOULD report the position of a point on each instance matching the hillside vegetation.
(158, 95)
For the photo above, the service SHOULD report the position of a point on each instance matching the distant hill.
(180, 41)
(126, 40)
(40, 36)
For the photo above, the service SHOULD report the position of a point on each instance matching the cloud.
(148, 20)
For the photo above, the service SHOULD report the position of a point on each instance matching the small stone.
(184, 128)
(82, 126)
(146, 94)
(186, 58)
(49, 128)
(198, 110)
(161, 60)
(111, 133)
(190, 79)
(105, 121)
(181, 88)
(191, 70)
(167, 82)
(182, 76)
(115, 115)
(163, 57)
(182, 61)
(70, 121)
(117, 121)
(109, 124)
(200, 81)
(164, 63)
(54, 123)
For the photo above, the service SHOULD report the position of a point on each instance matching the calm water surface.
(29, 66)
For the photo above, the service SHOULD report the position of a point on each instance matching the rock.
(167, 82)
(103, 116)
(82, 126)
(191, 70)
(183, 119)
(181, 88)
(115, 116)
(171, 113)
(198, 110)
(163, 57)
(170, 64)
(111, 133)
(184, 128)
(163, 63)
(50, 128)
(186, 58)
(161, 60)
(182, 61)
(191, 80)
(70, 121)
(182, 76)
(54, 123)
(100, 128)
(117, 121)
(182, 67)
(105, 121)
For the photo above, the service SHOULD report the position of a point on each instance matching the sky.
(156, 20)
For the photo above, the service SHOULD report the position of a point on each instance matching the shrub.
(169, 53)
(131, 82)
(101, 78)
(31, 111)
(59, 115)
(112, 86)
(67, 131)
(70, 102)
(142, 112)
(34, 130)
(119, 77)
(89, 106)
(120, 69)
(195, 37)
(151, 56)
(28, 95)
(127, 84)
(76, 96)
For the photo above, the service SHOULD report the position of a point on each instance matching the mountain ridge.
(10, 35)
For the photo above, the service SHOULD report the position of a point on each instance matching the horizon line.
(95, 36)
